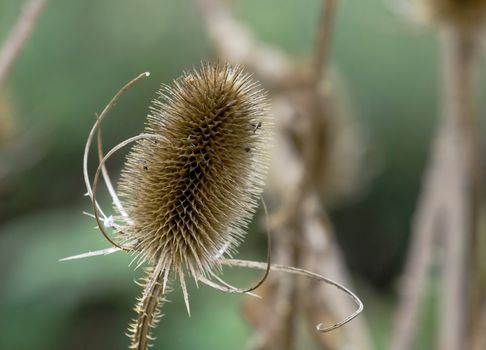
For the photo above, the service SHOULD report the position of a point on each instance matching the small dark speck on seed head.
(256, 127)
(247, 149)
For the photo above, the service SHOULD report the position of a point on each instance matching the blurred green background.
(81, 53)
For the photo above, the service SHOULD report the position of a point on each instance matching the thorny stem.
(147, 309)
(18, 36)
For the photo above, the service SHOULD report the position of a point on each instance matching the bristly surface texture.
(190, 198)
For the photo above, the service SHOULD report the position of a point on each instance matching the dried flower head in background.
(466, 14)
(189, 187)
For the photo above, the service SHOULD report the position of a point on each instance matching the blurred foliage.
(80, 55)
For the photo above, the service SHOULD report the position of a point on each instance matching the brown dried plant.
(189, 188)
(447, 216)
(466, 15)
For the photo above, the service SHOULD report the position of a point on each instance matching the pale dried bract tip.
(192, 196)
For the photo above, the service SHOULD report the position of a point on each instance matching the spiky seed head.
(190, 198)
(468, 15)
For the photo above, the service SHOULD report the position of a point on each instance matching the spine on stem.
(148, 308)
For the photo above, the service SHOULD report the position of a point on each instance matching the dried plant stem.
(423, 242)
(18, 36)
(461, 202)
(235, 43)
(447, 204)
(323, 40)
(148, 309)
(479, 335)
(307, 186)
(272, 331)
(324, 257)
(289, 321)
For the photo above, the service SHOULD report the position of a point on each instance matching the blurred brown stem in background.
(323, 42)
(18, 36)
(447, 212)
(303, 234)
(460, 214)
(18, 149)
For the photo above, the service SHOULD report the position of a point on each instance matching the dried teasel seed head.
(191, 194)
(467, 15)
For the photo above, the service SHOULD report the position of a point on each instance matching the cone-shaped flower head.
(190, 195)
